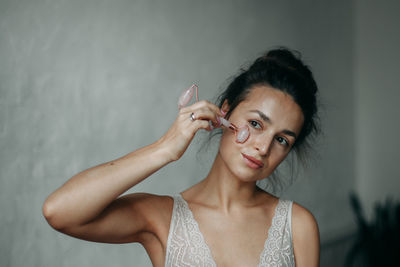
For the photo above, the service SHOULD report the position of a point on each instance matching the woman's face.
(274, 120)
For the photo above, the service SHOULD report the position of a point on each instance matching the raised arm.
(87, 195)
(87, 206)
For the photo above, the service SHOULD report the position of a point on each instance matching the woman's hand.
(178, 137)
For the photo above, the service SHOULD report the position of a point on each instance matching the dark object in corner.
(377, 243)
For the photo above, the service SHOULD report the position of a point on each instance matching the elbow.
(49, 213)
(46, 210)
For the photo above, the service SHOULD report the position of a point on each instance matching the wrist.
(164, 151)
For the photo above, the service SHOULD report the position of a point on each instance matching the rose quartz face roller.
(241, 133)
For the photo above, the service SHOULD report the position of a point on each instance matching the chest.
(214, 241)
(233, 243)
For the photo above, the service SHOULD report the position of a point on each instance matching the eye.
(282, 141)
(255, 124)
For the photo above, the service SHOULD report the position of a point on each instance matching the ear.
(225, 106)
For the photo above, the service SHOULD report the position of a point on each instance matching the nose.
(263, 144)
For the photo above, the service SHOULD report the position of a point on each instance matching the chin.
(242, 172)
(248, 175)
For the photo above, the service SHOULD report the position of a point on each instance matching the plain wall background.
(377, 88)
(84, 82)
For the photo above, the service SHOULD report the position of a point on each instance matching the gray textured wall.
(84, 82)
(377, 100)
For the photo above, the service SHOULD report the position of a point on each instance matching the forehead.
(277, 105)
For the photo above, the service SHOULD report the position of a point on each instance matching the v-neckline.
(204, 240)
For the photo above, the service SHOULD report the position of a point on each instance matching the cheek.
(276, 158)
(227, 140)
(229, 149)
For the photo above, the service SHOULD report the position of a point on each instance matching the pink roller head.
(242, 134)
(187, 95)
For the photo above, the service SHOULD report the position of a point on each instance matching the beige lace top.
(186, 245)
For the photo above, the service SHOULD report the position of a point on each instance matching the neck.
(223, 189)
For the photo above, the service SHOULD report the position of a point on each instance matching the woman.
(225, 220)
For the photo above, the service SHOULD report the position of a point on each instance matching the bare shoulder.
(305, 236)
(303, 221)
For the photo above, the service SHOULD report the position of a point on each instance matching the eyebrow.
(268, 120)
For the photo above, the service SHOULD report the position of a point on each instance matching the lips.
(253, 162)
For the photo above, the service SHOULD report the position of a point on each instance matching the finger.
(206, 114)
(212, 107)
(207, 111)
(201, 105)
(200, 124)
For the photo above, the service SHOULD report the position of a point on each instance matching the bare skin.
(233, 214)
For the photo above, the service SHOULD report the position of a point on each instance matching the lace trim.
(171, 229)
(187, 246)
(278, 249)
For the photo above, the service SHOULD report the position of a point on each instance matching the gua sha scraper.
(241, 133)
